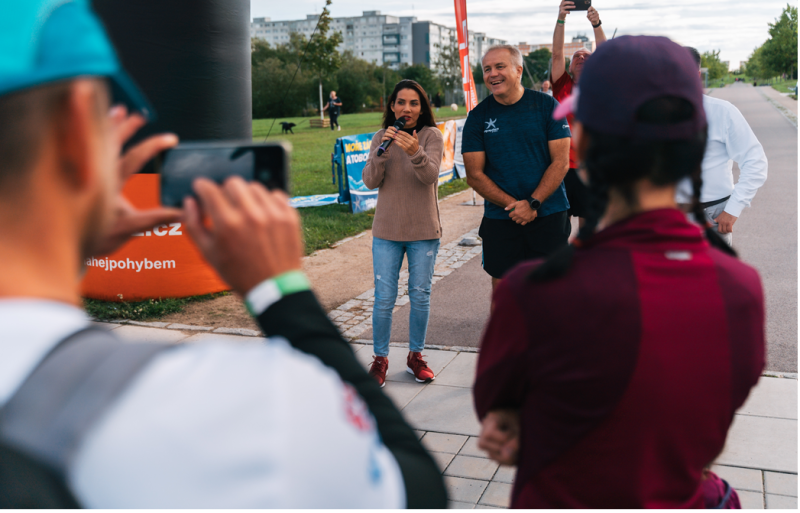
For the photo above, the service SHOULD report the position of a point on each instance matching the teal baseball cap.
(48, 41)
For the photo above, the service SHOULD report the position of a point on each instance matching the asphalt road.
(766, 233)
(765, 237)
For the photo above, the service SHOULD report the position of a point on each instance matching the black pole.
(192, 60)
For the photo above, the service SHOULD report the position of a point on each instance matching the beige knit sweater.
(408, 207)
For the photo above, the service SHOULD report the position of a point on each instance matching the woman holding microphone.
(406, 221)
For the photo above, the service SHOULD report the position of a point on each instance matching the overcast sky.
(735, 27)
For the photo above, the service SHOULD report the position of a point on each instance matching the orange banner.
(467, 80)
(162, 262)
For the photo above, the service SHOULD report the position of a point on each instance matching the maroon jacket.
(627, 371)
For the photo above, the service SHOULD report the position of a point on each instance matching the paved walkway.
(759, 460)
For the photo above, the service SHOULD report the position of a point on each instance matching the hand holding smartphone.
(582, 5)
(267, 163)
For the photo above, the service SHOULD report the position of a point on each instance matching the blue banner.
(318, 200)
(353, 151)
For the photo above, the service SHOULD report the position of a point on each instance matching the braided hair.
(619, 162)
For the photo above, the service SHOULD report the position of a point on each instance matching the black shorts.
(506, 243)
(577, 194)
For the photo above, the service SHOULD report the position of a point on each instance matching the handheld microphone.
(399, 124)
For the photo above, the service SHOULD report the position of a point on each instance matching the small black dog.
(287, 127)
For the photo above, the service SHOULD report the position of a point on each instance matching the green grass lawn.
(311, 172)
(784, 85)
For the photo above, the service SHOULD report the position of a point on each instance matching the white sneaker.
(340, 129)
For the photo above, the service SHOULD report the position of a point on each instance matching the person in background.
(563, 84)
(546, 89)
(290, 422)
(334, 104)
(627, 404)
(437, 101)
(516, 156)
(406, 222)
(730, 139)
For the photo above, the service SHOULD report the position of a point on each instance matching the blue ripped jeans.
(387, 258)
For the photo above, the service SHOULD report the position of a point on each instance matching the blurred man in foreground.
(618, 390)
(88, 421)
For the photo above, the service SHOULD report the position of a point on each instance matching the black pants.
(334, 120)
(506, 243)
(577, 194)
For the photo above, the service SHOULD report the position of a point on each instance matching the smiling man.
(516, 157)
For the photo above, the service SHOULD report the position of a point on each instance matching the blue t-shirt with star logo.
(514, 138)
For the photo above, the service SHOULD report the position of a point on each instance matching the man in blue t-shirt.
(516, 157)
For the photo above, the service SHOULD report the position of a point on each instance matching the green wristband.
(291, 282)
(561, 21)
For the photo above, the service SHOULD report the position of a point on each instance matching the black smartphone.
(267, 163)
(582, 5)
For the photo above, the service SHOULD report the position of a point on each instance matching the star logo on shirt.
(490, 126)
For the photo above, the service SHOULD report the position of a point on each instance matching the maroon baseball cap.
(625, 73)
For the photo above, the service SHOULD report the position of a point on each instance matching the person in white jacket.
(730, 139)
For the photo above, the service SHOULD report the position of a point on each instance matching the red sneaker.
(377, 369)
(419, 368)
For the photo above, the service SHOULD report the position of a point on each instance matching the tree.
(538, 65)
(716, 68)
(322, 56)
(779, 54)
(358, 85)
(448, 65)
(422, 75)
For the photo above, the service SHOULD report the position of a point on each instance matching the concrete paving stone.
(772, 397)
(464, 490)
(761, 442)
(141, 334)
(242, 332)
(460, 372)
(443, 410)
(188, 327)
(443, 442)
(437, 360)
(402, 393)
(471, 448)
(402, 300)
(750, 500)
(741, 478)
(220, 337)
(368, 294)
(781, 502)
(506, 474)
(780, 484)
(497, 494)
(419, 433)
(442, 459)
(472, 468)
(105, 325)
(460, 505)
(149, 324)
(357, 347)
(482, 506)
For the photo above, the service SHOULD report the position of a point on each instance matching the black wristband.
(600, 22)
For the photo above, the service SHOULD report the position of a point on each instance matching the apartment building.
(378, 38)
(578, 42)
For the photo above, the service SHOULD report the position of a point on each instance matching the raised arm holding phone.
(563, 84)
